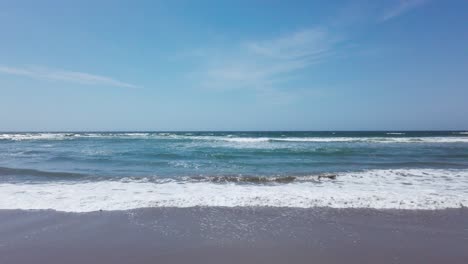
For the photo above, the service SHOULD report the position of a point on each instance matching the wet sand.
(235, 235)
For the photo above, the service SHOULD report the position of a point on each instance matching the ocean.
(91, 171)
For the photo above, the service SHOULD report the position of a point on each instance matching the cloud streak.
(262, 64)
(401, 8)
(67, 76)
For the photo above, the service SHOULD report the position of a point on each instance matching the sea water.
(89, 171)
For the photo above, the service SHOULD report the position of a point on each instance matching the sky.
(233, 65)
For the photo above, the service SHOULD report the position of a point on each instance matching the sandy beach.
(235, 235)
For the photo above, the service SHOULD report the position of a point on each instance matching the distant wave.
(399, 188)
(334, 139)
(233, 139)
(348, 139)
(68, 136)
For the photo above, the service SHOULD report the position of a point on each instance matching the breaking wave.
(379, 188)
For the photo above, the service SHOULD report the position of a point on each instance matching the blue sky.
(233, 65)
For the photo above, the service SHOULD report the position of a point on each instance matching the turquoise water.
(228, 153)
(239, 158)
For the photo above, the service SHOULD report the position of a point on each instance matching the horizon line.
(218, 131)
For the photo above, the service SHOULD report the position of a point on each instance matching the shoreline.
(235, 235)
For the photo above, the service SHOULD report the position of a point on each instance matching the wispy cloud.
(262, 64)
(62, 75)
(401, 8)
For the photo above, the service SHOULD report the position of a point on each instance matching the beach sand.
(235, 235)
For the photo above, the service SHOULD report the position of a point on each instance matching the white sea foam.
(33, 136)
(233, 139)
(68, 136)
(244, 139)
(338, 139)
(401, 189)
